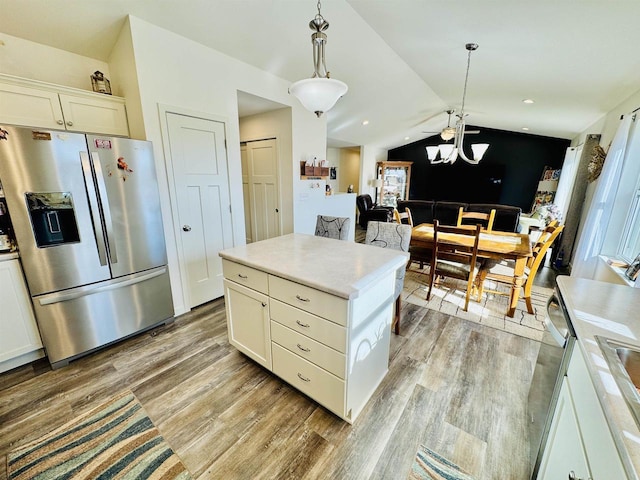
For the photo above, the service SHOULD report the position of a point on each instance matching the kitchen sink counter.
(611, 311)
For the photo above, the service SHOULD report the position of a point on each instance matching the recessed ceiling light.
(365, 122)
(525, 128)
(527, 100)
(406, 138)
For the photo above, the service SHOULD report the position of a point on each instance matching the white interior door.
(245, 193)
(263, 188)
(199, 163)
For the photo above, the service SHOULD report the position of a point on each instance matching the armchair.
(370, 211)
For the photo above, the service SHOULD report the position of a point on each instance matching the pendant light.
(319, 93)
(449, 153)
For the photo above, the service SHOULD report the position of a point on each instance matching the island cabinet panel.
(309, 349)
(310, 379)
(247, 276)
(324, 331)
(248, 322)
(310, 299)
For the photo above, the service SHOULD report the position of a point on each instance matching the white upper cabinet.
(37, 104)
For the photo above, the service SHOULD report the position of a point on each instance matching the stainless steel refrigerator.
(86, 216)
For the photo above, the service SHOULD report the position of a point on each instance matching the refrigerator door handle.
(93, 207)
(106, 211)
(66, 296)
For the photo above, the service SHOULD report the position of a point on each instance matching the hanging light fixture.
(318, 93)
(449, 153)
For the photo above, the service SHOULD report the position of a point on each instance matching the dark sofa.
(424, 211)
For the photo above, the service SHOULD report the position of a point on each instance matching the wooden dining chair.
(457, 260)
(397, 237)
(504, 271)
(473, 218)
(403, 217)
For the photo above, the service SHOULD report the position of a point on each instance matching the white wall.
(369, 156)
(204, 80)
(275, 124)
(23, 58)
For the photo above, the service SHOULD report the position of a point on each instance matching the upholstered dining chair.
(473, 218)
(333, 227)
(455, 259)
(504, 271)
(396, 236)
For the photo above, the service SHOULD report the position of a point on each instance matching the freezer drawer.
(76, 321)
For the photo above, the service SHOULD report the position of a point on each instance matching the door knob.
(70, 123)
(186, 228)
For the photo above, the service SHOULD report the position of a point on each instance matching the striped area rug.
(116, 440)
(428, 465)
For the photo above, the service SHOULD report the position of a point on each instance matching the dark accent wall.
(508, 173)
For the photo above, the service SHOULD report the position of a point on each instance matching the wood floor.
(456, 387)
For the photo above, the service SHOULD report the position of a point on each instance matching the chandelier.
(318, 93)
(449, 152)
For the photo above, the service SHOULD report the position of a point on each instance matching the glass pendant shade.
(478, 150)
(445, 150)
(318, 95)
(432, 152)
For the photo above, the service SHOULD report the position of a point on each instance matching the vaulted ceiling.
(404, 60)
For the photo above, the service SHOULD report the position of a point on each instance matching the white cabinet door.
(564, 453)
(32, 107)
(18, 326)
(103, 115)
(604, 460)
(38, 104)
(248, 322)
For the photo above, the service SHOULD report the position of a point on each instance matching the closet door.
(263, 189)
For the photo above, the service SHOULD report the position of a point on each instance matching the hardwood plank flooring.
(457, 387)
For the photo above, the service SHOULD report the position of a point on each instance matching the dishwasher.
(556, 346)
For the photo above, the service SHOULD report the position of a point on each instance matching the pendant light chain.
(319, 7)
(466, 79)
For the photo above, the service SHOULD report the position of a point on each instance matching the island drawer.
(309, 349)
(247, 276)
(319, 329)
(322, 386)
(309, 299)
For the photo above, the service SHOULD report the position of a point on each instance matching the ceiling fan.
(448, 132)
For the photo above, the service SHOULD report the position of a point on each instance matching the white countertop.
(338, 267)
(612, 311)
(8, 256)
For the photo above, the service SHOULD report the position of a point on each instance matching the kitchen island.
(316, 312)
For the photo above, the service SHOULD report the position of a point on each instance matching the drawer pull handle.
(303, 378)
(264, 304)
(303, 325)
(302, 348)
(244, 277)
(302, 299)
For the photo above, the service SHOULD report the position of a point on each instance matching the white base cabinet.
(32, 103)
(20, 340)
(580, 442)
(334, 350)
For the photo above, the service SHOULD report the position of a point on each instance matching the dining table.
(494, 245)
